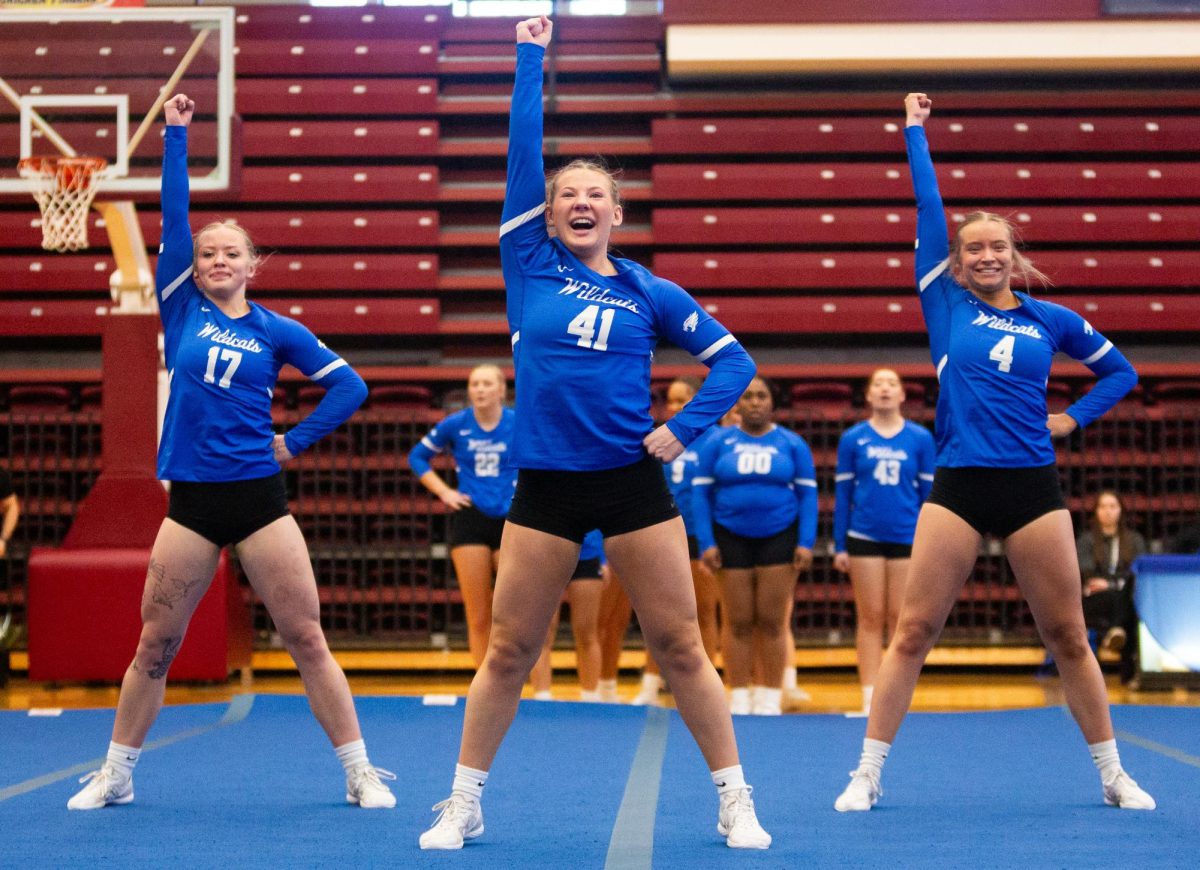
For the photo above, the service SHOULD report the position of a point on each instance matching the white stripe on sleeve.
(336, 364)
(932, 275)
(512, 223)
(1101, 352)
(714, 347)
(845, 475)
(941, 365)
(806, 481)
(170, 288)
(702, 481)
(516, 336)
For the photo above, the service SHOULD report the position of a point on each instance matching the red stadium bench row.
(1099, 268)
(767, 182)
(359, 316)
(365, 97)
(1159, 134)
(334, 274)
(306, 139)
(1088, 224)
(99, 138)
(902, 314)
(303, 21)
(269, 229)
(406, 184)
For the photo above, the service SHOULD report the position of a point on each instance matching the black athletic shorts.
(226, 513)
(738, 551)
(693, 547)
(998, 501)
(569, 504)
(470, 526)
(860, 547)
(587, 569)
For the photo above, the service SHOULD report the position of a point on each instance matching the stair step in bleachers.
(307, 139)
(336, 57)
(339, 22)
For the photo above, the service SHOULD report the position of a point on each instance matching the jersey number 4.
(234, 359)
(584, 326)
(1002, 353)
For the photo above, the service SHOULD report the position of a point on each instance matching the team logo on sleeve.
(1087, 329)
(692, 322)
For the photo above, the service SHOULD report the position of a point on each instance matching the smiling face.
(885, 392)
(224, 262)
(984, 257)
(582, 210)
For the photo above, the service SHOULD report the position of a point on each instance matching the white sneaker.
(1123, 792)
(646, 698)
(106, 786)
(461, 819)
(861, 794)
(364, 787)
(738, 823)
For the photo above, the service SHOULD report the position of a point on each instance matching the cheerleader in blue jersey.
(583, 596)
(480, 439)
(992, 347)
(884, 472)
(615, 609)
(584, 328)
(223, 355)
(755, 504)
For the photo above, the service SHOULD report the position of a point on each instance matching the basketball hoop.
(63, 188)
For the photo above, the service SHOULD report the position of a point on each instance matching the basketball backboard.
(84, 80)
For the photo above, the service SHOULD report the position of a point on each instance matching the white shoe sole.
(116, 802)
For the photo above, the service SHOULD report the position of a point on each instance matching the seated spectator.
(1106, 549)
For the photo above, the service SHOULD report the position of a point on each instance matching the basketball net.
(63, 188)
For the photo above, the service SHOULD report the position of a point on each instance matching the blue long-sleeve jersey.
(222, 370)
(755, 486)
(481, 458)
(881, 483)
(583, 342)
(992, 364)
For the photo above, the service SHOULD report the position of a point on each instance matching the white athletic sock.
(789, 678)
(874, 753)
(729, 779)
(651, 684)
(739, 700)
(352, 754)
(123, 758)
(1106, 758)
(469, 781)
(607, 689)
(591, 697)
(767, 702)
(868, 693)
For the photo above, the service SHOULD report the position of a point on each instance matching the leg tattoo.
(170, 650)
(168, 591)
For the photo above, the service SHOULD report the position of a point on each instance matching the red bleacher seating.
(838, 225)
(347, 274)
(306, 139)
(1021, 134)
(1000, 179)
(262, 184)
(300, 97)
(339, 22)
(336, 57)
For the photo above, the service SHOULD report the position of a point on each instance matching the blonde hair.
(252, 252)
(594, 164)
(499, 372)
(1022, 267)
